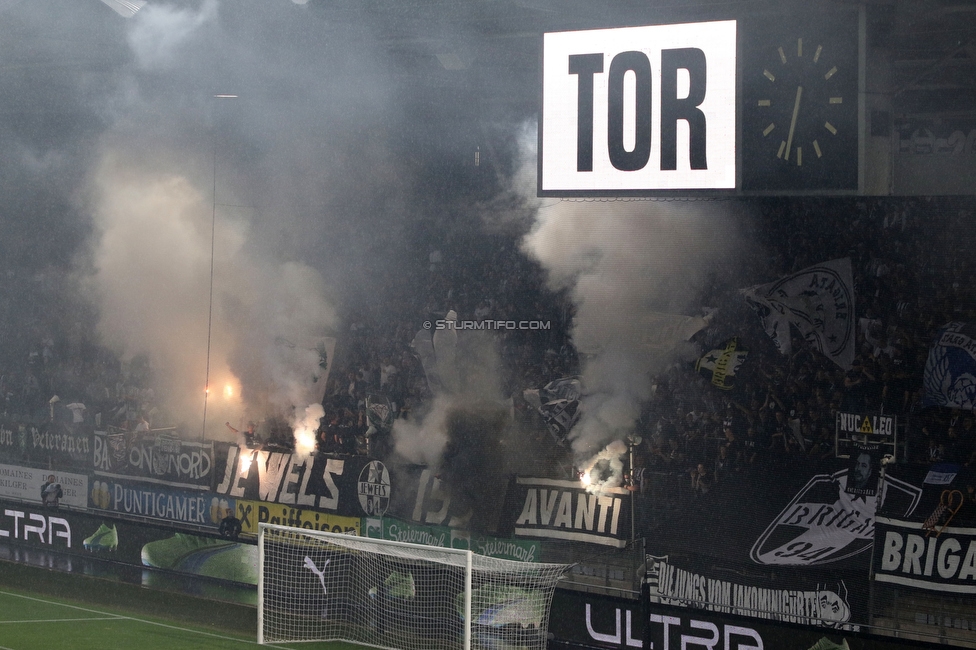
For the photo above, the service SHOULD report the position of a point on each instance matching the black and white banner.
(567, 510)
(904, 554)
(823, 604)
(154, 458)
(818, 301)
(864, 470)
(52, 443)
(347, 485)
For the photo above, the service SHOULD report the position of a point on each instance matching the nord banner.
(567, 510)
(154, 458)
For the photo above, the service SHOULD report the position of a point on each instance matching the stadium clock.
(798, 103)
(800, 107)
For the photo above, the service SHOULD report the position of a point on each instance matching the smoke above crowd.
(226, 182)
(635, 271)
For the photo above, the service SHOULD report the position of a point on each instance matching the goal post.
(321, 586)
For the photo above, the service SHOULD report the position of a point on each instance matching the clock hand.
(796, 111)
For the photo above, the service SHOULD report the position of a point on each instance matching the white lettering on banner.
(617, 636)
(53, 527)
(671, 585)
(540, 504)
(879, 425)
(639, 108)
(561, 509)
(731, 635)
(433, 506)
(62, 442)
(159, 505)
(809, 532)
(945, 563)
(282, 477)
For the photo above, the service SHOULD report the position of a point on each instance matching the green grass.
(41, 609)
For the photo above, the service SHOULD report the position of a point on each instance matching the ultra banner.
(154, 458)
(567, 510)
(352, 486)
(143, 545)
(607, 623)
(905, 555)
(52, 443)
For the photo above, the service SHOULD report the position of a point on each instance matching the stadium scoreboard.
(726, 107)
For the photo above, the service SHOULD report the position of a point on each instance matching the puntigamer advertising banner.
(154, 458)
(160, 502)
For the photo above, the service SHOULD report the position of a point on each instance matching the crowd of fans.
(913, 273)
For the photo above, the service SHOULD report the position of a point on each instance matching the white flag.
(818, 301)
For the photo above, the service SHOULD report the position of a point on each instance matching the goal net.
(319, 586)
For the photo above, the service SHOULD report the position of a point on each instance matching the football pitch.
(41, 623)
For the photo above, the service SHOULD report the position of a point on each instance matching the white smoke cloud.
(153, 283)
(160, 30)
(628, 265)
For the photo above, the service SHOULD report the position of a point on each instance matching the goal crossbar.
(321, 586)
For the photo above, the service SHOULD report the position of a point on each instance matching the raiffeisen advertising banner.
(638, 108)
(252, 513)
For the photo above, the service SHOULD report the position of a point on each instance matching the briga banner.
(154, 458)
(568, 510)
(905, 555)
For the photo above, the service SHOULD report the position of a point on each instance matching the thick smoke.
(183, 274)
(635, 270)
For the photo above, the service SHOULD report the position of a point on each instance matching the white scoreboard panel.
(639, 109)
